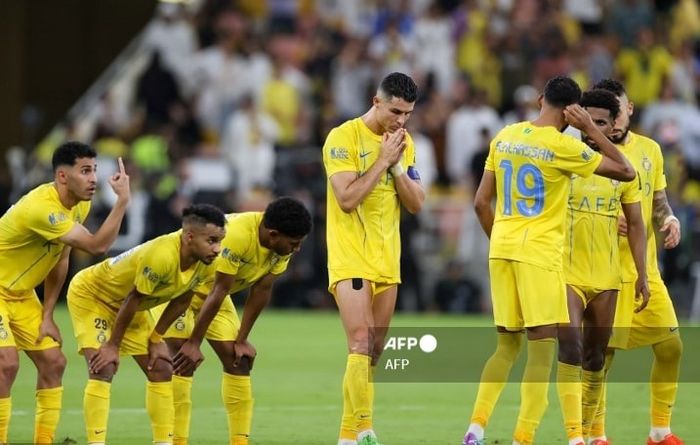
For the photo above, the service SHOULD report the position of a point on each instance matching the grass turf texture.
(297, 390)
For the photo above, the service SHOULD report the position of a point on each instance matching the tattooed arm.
(663, 218)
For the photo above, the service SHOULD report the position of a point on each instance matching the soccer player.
(593, 275)
(657, 325)
(109, 302)
(36, 237)
(370, 164)
(528, 171)
(256, 251)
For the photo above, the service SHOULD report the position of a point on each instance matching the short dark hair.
(399, 85)
(68, 152)
(600, 98)
(612, 85)
(561, 91)
(203, 214)
(288, 216)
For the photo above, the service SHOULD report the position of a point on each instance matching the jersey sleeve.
(489, 159)
(49, 221)
(229, 260)
(339, 153)
(573, 156)
(632, 191)
(659, 174)
(153, 266)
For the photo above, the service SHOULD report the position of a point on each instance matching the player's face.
(622, 123)
(283, 244)
(205, 242)
(394, 113)
(602, 119)
(81, 178)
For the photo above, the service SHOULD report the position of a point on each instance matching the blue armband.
(413, 173)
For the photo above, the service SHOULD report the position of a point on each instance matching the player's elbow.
(347, 205)
(96, 250)
(628, 173)
(481, 205)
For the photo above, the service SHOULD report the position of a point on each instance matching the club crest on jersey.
(3, 333)
(101, 337)
(180, 324)
(646, 163)
(614, 182)
(274, 260)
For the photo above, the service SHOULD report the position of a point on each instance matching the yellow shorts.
(224, 326)
(587, 293)
(656, 323)
(377, 288)
(20, 320)
(525, 295)
(93, 322)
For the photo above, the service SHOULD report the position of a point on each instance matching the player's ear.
(61, 175)
(539, 101)
(630, 108)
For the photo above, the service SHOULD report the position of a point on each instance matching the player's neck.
(371, 122)
(550, 118)
(68, 200)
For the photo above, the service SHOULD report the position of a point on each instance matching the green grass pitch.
(297, 388)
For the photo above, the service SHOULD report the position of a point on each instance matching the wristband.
(155, 337)
(397, 170)
(670, 218)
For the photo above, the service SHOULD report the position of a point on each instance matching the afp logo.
(427, 343)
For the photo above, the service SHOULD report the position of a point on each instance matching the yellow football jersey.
(645, 156)
(153, 268)
(533, 166)
(242, 254)
(591, 254)
(29, 244)
(364, 243)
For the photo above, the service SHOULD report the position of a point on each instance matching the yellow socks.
(348, 428)
(182, 396)
(357, 374)
(96, 410)
(664, 380)
(569, 390)
(5, 412)
(48, 410)
(495, 375)
(533, 390)
(592, 386)
(237, 393)
(598, 423)
(159, 405)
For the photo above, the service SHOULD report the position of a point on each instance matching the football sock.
(569, 390)
(48, 410)
(96, 409)
(598, 424)
(237, 393)
(348, 429)
(5, 412)
(664, 380)
(533, 390)
(592, 391)
(182, 397)
(161, 410)
(357, 373)
(494, 376)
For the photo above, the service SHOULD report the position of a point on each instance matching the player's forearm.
(207, 313)
(410, 192)
(625, 171)
(636, 235)
(485, 215)
(109, 230)
(52, 286)
(176, 307)
(351, 197)
(124, 316)
(661, 209)
(256, 302)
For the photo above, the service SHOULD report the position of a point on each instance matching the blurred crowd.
(232, 102)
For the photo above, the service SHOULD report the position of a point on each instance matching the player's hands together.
(621, 225)
(243, 348)
(157, 351)
(393, 145)
(673, 236)
(48, 328)
(120, 182)
(641, 292)
(188, 358)
(107, 354)
(578, 117)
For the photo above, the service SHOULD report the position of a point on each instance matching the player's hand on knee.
(48, 328)
(157, 351)
(243, 348)
(106, 355)
(641, 294)
(187, 359)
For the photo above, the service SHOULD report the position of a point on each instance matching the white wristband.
(397, 170)
(670, 218)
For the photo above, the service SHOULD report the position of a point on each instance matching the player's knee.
(570, 352)
(242, 368)
(594, 360)
(161, 371)
(9, 369)
(669, 350)
(56, 366)
(361, 341)
(508, 347)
